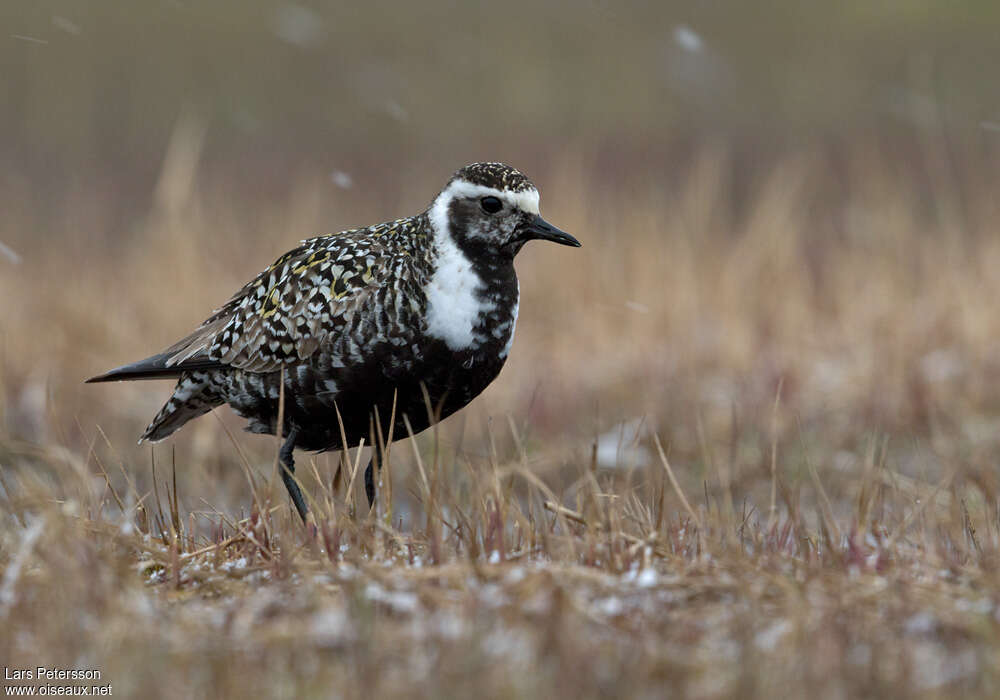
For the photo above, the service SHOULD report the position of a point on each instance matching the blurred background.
(397, 95)
(788, 210)
(789, 275)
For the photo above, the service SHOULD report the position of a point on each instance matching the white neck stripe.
(454, 307)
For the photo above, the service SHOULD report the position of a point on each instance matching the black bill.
(542, 230)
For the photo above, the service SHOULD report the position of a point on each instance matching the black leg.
(370, 482)
(287, 469)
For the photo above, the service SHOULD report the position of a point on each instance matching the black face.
(496, 226)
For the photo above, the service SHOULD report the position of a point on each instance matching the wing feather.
(290, 309)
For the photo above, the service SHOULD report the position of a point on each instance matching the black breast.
(410, 367)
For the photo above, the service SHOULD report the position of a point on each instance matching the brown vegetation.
(745, 445)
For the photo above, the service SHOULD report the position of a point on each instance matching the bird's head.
(491, 209)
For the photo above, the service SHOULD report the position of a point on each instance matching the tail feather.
(155, 367)
(195, 395)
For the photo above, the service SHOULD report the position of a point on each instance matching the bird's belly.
(329, 404)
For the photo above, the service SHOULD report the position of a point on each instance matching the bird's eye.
(491, 205)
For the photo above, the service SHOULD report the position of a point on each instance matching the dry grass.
(815, 354)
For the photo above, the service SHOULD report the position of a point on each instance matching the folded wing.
(282, 316)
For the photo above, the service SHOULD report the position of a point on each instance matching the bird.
(397, 325)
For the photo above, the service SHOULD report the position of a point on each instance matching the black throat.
(492, 263)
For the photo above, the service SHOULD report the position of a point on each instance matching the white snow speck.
(515, 574)
(240, 563)
(400, 601)
(298, 25)
(647, 577)
(513, 645)
(67, 25)
(9, 253)
(341, 179)
(687, 38)
(493, 596)
(920, 623)
(767, 639)
(941, 365)
(934, 666)
(619, 447)
(330, 626)
(983, 606)
(449, 625)
(610, 607)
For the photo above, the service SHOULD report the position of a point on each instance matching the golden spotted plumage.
(358, 326)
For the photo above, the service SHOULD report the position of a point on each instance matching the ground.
(744, 446)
